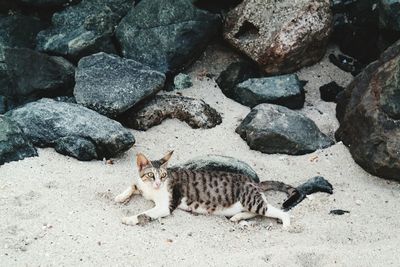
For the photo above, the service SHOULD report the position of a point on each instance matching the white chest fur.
(159, 196)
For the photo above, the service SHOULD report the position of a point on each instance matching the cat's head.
(153, 172)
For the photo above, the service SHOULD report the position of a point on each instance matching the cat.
(206, 192)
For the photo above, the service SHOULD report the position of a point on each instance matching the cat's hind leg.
(242, 216)
(124, 196)
(276, 213)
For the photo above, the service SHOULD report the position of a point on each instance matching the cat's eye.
(163, 175)
(150, 175)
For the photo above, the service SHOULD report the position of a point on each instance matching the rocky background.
(72, 71)
(279, 90)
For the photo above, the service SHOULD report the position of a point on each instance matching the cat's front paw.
(121, 198)
(132, 220)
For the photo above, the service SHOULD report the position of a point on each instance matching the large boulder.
(195, 112)
(166, 34)
(281, 36)
(13, 143)
(220, 163)
(83, 29)
(276, 129)
(34, 74)
(124, 83)
(285, 90)
(369, 115)
(74, 130)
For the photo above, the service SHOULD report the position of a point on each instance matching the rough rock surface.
(182, 81)
(83, 29)
(389, 15)
(74, 130)
(36, 74)
(111, 85)
(16, 31)
(220, 163)
(369, 115)
(196, 113)
(285, 90)
(281, 36)
(276, 129)
(13, 143)
(166, 34)
(236, 73)
(329, 91)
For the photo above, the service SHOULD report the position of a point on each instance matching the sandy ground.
(57, 211)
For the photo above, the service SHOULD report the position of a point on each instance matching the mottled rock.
(389, 15)
(13, 143)
(281, 36)
(220, 163)
(196, 113)
(329, 91)
(285, 90)
(276, 129)
(112, 92)
(236, 73)
(74, 130)
(83, 29)
(182, 81)
(369, 115)
(33, 74)
(166, 35)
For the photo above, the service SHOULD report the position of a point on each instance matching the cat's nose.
(157, 184)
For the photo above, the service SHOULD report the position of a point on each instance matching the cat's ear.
(164, 160)
(142, 161)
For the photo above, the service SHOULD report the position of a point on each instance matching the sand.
(57, 211)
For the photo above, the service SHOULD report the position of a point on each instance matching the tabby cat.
(207, 192)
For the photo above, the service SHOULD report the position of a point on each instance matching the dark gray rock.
(389, 15)
(13, 143)
(166, 35)
(35, 74)
(196, 113)
(284, 90)
(236, 73)
(182, 81)
(124, 83)
(45, 3)
(329, 91)
(16, 31)
(369, 115)
(3, 104)
(57, 124)
(276, 129)
(83, 29)
(220, 163)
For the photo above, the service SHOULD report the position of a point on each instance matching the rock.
(276, 129)
(3, 104)
(33, 74)
(346, 63)
(83, 29)
(196, 113)
(182, 81)
(236, 73)
(216, 6)
(112, 92)
(220, 163)
(389, 15)
(16, 31)
(74, 130)
(329, 91)
(13, 143)
(369, 115)
(285, 90)
(44, 3)
(166, 35)
(281, 36)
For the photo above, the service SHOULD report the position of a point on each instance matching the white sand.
(57, 211)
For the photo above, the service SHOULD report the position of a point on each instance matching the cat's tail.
(296, 195)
